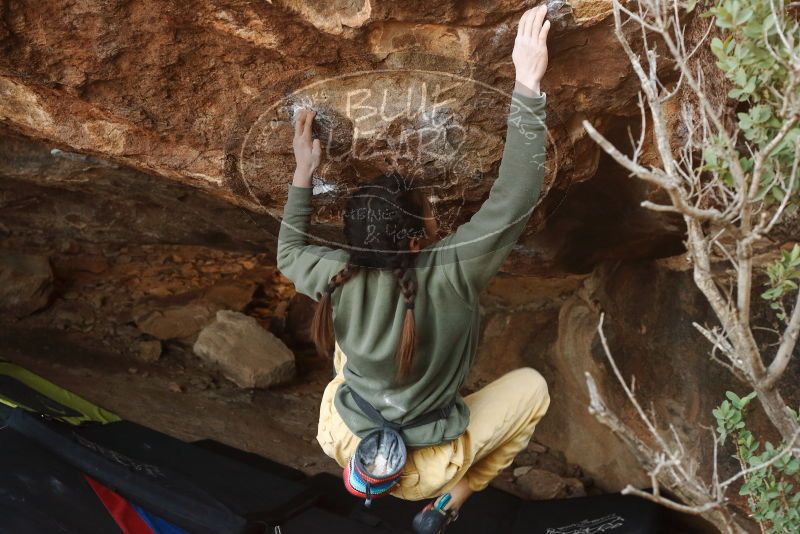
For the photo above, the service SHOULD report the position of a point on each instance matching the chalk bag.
(375, 468)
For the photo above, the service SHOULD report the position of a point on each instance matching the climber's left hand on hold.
(307, 152)
(530, 50)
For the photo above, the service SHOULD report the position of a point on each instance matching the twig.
(786, 348)
(788, 448)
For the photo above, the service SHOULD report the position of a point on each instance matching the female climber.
(400, 313)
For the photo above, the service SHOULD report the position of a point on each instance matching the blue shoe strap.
(443, 501)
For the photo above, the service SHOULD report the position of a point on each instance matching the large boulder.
(423, 89)
(650, 307)
(547, 324)
(26, 283)
(245, 353)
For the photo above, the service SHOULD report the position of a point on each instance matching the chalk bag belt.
(375, 468)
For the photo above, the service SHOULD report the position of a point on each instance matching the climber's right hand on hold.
(307, 151)
(530, 50)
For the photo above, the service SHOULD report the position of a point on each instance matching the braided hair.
(408, 338)
(322, 324)
(381, 218)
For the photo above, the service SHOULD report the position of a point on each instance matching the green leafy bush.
(754, 56)
(771, 491)
(784, 275)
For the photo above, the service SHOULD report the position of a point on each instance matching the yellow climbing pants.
(503, 416)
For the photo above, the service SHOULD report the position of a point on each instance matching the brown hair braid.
(408, 337)
(322, 324)
(381, 217)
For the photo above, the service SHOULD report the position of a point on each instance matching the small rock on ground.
(26, 283)
(538, 484)
(247, 354)
(179, 322)
(149, 350)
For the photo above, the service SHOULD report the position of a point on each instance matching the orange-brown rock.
(201, 93)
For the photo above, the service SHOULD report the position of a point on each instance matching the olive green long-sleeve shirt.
(368, 311)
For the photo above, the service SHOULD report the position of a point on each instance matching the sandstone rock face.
(51, 196)
(246, 353)
(26, 283)
(551, 325)
(204, 102)
(548, 325)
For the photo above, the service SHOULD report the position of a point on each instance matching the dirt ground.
(178, 396)
(88, 339)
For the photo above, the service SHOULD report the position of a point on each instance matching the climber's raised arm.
(309, 267)
(474, 253)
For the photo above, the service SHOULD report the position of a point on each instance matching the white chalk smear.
(379, 466)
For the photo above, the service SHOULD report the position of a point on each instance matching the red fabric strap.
(128, 520)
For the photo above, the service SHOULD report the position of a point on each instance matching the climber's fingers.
(538, 19)
(309, 122)
(523, 21)
(543, 33)
(299, 123)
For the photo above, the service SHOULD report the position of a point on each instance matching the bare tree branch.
(622, 159)
(788, 449)
(665, 463)
(786, 348)
(726, 217)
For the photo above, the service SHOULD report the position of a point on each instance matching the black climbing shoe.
(433, 519)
